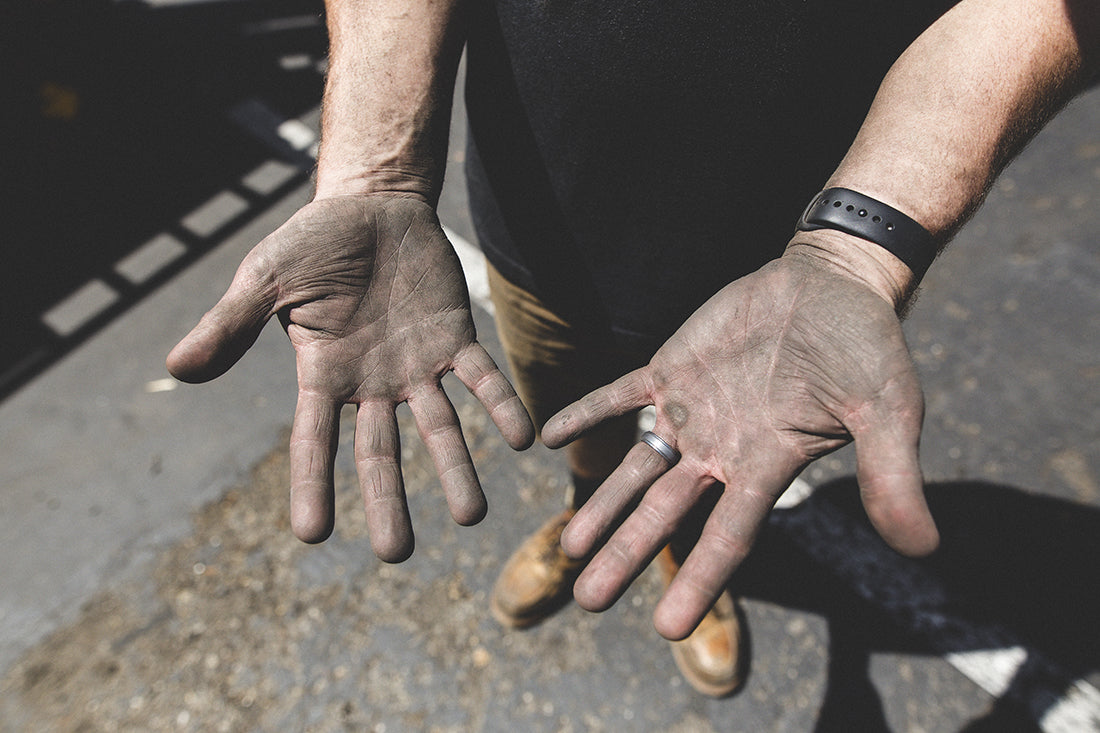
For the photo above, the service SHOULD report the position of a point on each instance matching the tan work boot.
(538, 578)
(711, 658)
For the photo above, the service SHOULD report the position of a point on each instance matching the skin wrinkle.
(689, 582)
(871, 488)
(374, 461)
(395, 258)
(651, 463)
(329, 332)
(309, 446)
(788, 435)
(649, 515)
(606, 594)
(854, 419)
(784, 331)
(758, 497)
(259, 276)
(717, 384)
(646, 390)
(497, 404)
(450, 470)
(742, 358)
(595, 405)
(390, 505)
(382, 437)
(380, 469)
(705, 369)
(378, 475)
(699, 583)
(622, 551)
(479, 385)
(414, 289)
(443, 442)
(633, 477)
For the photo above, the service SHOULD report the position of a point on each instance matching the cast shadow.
(1014, 571)
(123, 118)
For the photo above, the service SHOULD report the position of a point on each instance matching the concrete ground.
(151, 581)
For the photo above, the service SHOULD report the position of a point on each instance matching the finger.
(312, 455)
(378, 463)
(477, 370)
(641, 467)
(634, 545)
(439, 429)
(227, 330)
(892, 487)
(727, 536)
(618, 398)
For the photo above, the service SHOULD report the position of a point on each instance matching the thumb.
(892, 487)
(227, 330)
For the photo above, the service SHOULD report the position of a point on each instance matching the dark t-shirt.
(629, 158)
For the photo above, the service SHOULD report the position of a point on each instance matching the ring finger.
(622, 489)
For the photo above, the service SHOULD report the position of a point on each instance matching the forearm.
(958, 104)
(388, 94)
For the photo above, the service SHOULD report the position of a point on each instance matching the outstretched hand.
(777, 369)
(373, 299)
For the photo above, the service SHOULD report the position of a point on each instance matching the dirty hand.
(777, 369)
(373, 299)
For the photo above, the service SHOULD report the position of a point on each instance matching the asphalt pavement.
(151, 581)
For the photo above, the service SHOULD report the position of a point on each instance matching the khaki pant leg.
(554, 363)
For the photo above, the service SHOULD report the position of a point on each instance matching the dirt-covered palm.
(775, 370)
(374, 301)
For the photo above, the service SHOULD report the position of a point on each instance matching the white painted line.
(473, 265)
(295, 61)
(990, 669)
(269, 176)
(67, 317)
(214, 214)
(173, 3)
(1077, 712)
(285, 136)
(277, 25)
(150, 258)
(297, 134)
(167, 384)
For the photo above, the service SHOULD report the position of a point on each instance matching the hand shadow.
(1015, 571)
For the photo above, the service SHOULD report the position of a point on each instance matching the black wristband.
(862, 216)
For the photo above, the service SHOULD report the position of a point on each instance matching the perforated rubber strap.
(852, 212)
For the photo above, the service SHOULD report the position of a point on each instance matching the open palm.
(373, 299)
(775, 370)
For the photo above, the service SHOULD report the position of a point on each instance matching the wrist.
(859, 259)
(353, 181)
(867, 218)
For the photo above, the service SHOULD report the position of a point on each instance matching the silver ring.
(663, 449)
